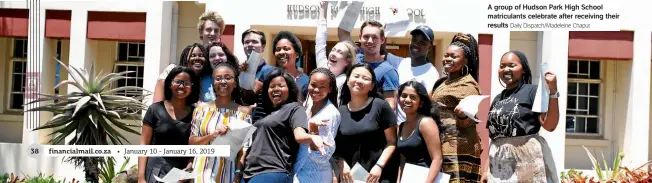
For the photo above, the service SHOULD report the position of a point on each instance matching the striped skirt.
(213, 169)
(521, 159)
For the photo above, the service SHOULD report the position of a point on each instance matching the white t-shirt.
(426, 74)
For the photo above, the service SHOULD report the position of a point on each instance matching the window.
(133, 79)
(57, 75)
(583, 104)
(131, 51)
(18, 73)
(131, 56)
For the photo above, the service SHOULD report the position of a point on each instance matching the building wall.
(525, 42)
(189, 13)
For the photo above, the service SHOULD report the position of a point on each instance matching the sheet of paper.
(470, 105)
(239, 132)
(248, 79)
(414, 173)
(359, 173)
(350, 16)
(397, 24)
(175, 175)
(541, 100)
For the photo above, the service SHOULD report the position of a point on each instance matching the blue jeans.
(271, 178)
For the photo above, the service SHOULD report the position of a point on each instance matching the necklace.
(502, 97)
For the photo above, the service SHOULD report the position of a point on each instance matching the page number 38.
(34, 150)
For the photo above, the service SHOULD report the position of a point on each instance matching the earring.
(467, 70)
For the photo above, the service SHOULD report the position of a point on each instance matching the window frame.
(117, 51)
(13, 61)
(129, 64)
(601, 99)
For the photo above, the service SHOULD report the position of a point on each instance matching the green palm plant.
(606, 173)
(92, 113)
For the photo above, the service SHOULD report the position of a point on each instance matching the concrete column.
(158, 34)
(637, 126)
(81, 53)
(498, 48)
(174, 38)
(552, 48)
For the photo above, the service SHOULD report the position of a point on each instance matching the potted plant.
(93, 114)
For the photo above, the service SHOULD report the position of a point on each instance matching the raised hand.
(551, 80)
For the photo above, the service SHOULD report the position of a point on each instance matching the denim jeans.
(271, 178)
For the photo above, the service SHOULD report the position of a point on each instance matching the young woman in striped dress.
(211, 119)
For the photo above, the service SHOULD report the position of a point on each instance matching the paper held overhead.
(541, 99)
(470, 105)
(350, 15)
(248, 79)
(397, 23)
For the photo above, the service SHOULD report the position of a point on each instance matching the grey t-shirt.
(511, 113)
(274, 147)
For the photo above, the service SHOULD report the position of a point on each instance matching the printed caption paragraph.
(543, 17)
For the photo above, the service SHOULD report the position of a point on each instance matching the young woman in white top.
(312, 166)
(341, 57)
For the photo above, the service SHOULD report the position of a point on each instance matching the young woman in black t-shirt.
(275, 142)
(418, 142)
(367, 133)
(168, 123)
(517, 153)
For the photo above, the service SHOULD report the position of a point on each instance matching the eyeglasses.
(227, 78)
(181, 82)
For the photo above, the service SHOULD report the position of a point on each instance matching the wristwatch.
(555, 95)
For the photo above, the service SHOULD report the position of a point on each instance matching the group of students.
(361, 105)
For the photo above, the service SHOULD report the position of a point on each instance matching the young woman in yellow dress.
(211, 119)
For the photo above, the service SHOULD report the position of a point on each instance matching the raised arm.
(322, 36)
(343, 35)
(550, 119)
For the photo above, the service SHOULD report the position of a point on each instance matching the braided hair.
(238, 92)
(185, 56)
(332, 95)
(527, 72)
(470, 46)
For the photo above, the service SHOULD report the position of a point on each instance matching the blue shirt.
(389, 80)
(262, 70)
(391, 58)
(302, 84)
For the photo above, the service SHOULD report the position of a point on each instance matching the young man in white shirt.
(417, 66)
